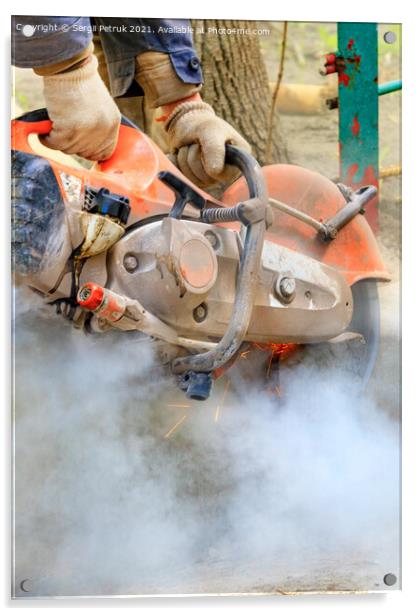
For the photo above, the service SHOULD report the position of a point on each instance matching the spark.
(217, 410)
(273, 390)
(179, 406)
(284, 350)
(279, 351)
(175, 427)
(268, 372)
(259, 346)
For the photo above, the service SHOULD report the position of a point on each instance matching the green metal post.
(358, 107)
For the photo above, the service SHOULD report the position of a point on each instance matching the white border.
(402, 11)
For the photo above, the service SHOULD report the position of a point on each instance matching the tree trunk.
(236, 81)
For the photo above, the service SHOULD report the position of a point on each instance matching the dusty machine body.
(133, 245)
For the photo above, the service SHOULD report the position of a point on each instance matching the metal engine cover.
(185, 273)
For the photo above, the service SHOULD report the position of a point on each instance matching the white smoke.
(120, 489)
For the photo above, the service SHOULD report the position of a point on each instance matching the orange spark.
(279, 349)
(177, 424)
(179, 406)
(268, 372)
(283, 350)
(217, 410)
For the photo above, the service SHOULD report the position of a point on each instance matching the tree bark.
(236, 81)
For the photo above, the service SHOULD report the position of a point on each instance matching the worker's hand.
(85, 118)
(197, 138)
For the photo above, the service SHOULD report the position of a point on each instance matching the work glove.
(85, 118)
(195, 136)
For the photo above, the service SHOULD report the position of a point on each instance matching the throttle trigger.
(184, 194)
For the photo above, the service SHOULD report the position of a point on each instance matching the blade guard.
(354, 251)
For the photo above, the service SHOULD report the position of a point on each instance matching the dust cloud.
(122, 486)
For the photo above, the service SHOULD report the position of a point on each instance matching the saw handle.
(38, 122)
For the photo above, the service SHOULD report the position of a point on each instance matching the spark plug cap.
(90, 296)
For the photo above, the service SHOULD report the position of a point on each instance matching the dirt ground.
(311, 141)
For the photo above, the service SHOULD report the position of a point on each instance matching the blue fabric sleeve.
(123, 39)
(41, 41)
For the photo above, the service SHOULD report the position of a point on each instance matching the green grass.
(385, 48)
(329, 39)
(22, 100)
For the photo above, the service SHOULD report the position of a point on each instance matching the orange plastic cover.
(354, 251)
(132, 171)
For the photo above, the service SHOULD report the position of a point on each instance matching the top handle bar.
(195, 370)
(254, 209)
(250, 168)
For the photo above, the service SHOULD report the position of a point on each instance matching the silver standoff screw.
(130, 263)
(286, 288)
(200, 313)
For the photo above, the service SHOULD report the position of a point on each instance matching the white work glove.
(197, 139)
(84, 115)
